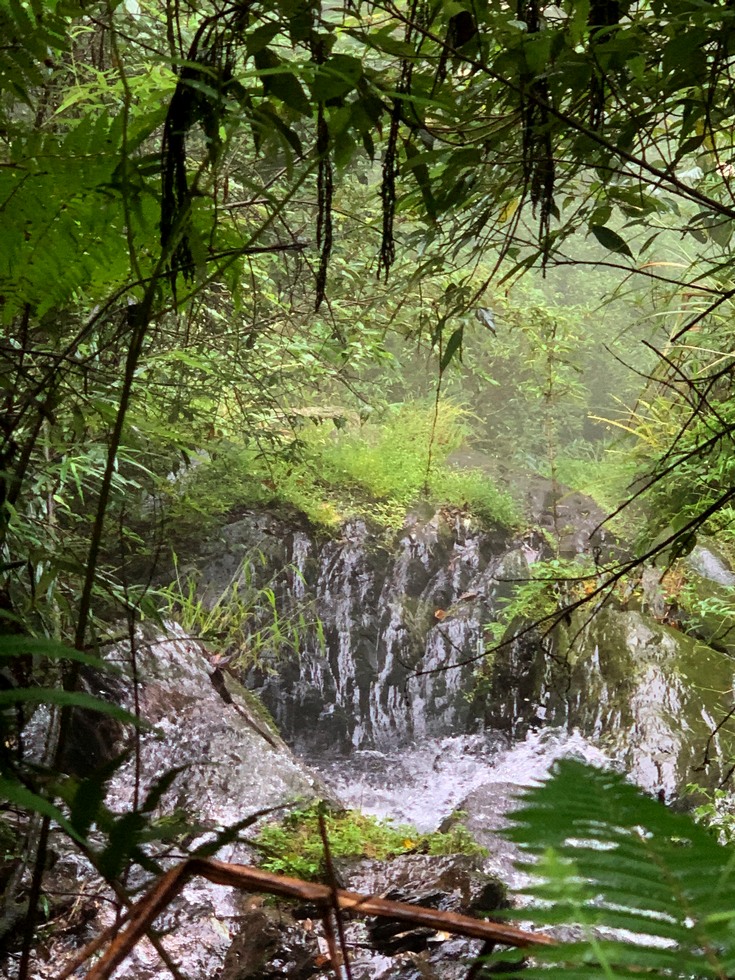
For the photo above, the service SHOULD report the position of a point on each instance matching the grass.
(377, 470)
(243, 621)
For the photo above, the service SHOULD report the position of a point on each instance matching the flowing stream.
(478, 775)
(424, 783)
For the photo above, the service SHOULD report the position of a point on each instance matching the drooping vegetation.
(644, 888)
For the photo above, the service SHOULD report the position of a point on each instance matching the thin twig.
(332, 879)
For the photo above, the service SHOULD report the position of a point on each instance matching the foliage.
(295, 846)
(645, 888)
(186, 251)
(331, 467)
(551, 585)
(714, 810)
(244, 621)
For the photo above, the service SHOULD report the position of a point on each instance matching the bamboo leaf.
(610, 240)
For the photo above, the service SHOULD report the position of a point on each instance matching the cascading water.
(395, 620)
(393, 673)
(385, 703)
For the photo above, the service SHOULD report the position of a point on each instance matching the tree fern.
(645, 888)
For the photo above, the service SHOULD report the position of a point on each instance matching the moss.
(376, 470)
(253, 704)
(295, 847)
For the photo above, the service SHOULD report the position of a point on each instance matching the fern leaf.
(646, 888)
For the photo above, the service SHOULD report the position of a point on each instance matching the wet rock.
(708, 560)
(573, 518)
(453, 960)
(711, 579)
(233, 760)
(451, 883)
(233, 764)
(270, 945)
(392, 615)
(649, 694)
(275, 943)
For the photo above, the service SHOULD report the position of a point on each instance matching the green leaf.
(414, 161)
(454, 344)
(73, 699)
(606, 856)
(261, 37)
(15, 645)
(281, 81)
(610, 240)
(19, 795)
(336, 78)
(85, 797)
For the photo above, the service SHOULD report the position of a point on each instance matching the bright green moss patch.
(294, 847)
(330, 472)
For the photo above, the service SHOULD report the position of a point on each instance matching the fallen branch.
(163, 892)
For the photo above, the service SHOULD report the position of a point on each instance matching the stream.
(479, 775)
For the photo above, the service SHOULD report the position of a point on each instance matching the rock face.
(650, 695)
(710, 575)
(394, 614)
(233, 764)
(403, 630)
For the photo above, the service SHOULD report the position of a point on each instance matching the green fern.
(645, 888)
(63, 216)
(31, 32)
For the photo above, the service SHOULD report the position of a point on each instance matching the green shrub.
(552, 584)
(294, 847)
(329, 473)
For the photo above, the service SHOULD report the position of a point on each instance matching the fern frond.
(647, 889)
(30, 32)
(63, 217)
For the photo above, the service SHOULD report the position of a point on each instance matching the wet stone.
(270, 945)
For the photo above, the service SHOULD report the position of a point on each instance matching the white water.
(482, 775)
(424, 783)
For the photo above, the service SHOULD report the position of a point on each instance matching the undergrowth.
(551, 585)
(329, 473)
(606, 473)
(244, 621)
(295, 847)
